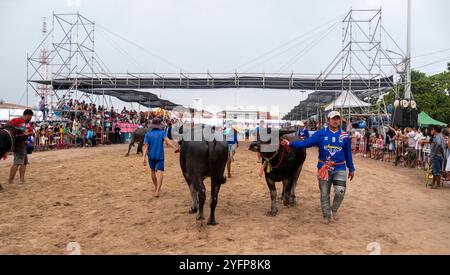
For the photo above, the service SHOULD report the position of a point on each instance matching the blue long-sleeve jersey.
(335, 145)
(304, 133)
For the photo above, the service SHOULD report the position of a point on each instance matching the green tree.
(429, 93)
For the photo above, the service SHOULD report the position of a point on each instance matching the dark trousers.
(117, 138)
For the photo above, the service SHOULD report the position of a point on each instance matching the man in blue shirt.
(154, 151)
(302, 132)
(334, 155)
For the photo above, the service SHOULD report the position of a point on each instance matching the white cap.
(301, 123)
(334, 114)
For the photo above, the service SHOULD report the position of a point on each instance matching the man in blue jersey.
(302, 132)
(334, 155)
(154, 152)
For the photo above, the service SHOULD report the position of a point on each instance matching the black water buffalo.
(137, 136)
(285, 165)
(198, 160)
(7, 141)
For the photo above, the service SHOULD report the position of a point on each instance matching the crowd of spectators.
(78, 123)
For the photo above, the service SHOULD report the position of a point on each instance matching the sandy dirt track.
(104, 201)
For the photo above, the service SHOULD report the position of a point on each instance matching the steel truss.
(76, 70)
(71, 56)
(363, 57)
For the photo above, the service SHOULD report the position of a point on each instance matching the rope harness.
(267, 165)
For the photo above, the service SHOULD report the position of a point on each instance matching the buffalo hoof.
(273, 212)
(200, 217)
(286, 202)
(192, 210)
(292, 202)
(211, 222)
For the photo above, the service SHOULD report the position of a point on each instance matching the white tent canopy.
(346, 100)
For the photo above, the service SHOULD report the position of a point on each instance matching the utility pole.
(408, 54)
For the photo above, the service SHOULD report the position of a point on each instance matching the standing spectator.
(447, 167)
(418, 146)
(117, 134)
(169, 130)
(380, 147)
(247, 132)
(302, 132)
(258, 138)
(61, 135)
(426, 147)
(43, 108)
(41, 134)
(89, 137)
(233, 143)
(75, 125)
(78, 137)
(367, 141)
(389, 141)
(49, 135)
(398, 144)
(411, 150)
(99, 134)
(30, 144)
(436, 155)
(56, 135)
(373, 144)
(357, 138)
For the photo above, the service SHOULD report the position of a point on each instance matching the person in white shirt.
(411, 151)
(418, 147)
(75, 126)
(426, 147)
(411, 134)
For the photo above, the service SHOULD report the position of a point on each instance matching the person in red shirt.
(20, 127)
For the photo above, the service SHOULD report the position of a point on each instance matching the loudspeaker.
(406, 117)
(397, 117)
(414, 118)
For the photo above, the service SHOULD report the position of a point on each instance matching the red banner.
(126, 127)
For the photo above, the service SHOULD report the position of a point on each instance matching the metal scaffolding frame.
(363, 57)
(71, 55)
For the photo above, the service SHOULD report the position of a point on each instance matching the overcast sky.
(216, 35)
